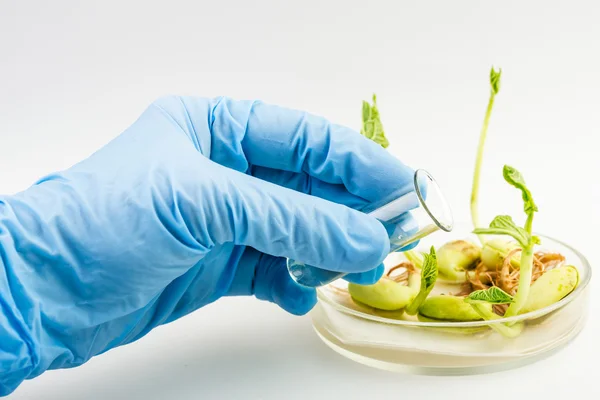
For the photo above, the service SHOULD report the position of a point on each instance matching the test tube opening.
(408, 218)
(432, 200)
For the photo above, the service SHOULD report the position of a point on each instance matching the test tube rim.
(447, 227)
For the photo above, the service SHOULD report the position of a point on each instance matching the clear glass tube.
(416, 211)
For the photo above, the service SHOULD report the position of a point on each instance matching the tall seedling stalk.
(495, 88)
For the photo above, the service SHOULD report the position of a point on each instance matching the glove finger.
(366, 278)
(296, 141)
(247, 133)
(304, 183)
(275, 220)
(273, 283)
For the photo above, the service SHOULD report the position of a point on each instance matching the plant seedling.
(429, 273)
(501, 279)
(494, 89)
(372, 128)
(504, 225)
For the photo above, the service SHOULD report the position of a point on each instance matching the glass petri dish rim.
(585, 266)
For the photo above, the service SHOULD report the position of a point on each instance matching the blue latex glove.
(198, 199)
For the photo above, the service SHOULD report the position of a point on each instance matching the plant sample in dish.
(500, 273)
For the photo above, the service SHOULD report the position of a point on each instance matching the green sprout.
(372, 128)
(460, 262)
(493, 295)
(494, 89)
(504, 225)
(429, 273)
(414, 257)
(480, 301)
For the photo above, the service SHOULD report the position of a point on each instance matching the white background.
(74, 75)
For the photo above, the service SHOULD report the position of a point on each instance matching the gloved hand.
(198, 199)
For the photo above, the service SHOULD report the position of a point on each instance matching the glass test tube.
(419, 210)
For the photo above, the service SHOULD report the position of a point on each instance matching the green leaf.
(366, 111)
(374, 108)
(429, 272)
(504, 225)
(493, 295)
(495, 79)
(368, 129)
(506, 222)
(514, 177)
(503, 222)
(372, 128)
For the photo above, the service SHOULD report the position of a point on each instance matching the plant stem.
(529, 223)
(413, 307)
(414, 257)
(525, 273)
(477, 173)
(507, 331)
